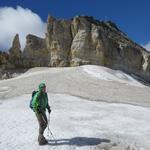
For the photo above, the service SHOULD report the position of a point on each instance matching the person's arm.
(47, 105)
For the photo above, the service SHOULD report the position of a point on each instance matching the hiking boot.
(42, 140)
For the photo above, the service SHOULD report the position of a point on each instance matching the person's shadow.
(78, 141)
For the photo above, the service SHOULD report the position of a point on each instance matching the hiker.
(40, 103)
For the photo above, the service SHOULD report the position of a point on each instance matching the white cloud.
(147, 46)
(21, 21)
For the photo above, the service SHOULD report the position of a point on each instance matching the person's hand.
(49, 110)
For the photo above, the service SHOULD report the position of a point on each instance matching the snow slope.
(76, 124)
(111, 75)
(92, 108)
(100, 72)
(88, 82)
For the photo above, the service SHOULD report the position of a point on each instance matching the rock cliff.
(35, 52)
(15, 52)
(84, 40)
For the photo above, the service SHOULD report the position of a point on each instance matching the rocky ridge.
(79, 41)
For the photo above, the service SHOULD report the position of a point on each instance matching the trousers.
(42, 121)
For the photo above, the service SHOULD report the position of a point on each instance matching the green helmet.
(41, 86)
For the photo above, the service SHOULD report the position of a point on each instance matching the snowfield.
(93, 108)
(111, 75)
(76, 124)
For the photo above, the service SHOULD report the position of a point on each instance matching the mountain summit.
(84, 40)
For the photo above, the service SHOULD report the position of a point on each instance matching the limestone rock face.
(59, 39)
(15, 52)
(146, 67)
(148, 64)
(35, 52)
(102, 43)
(87, 45)
(3, 59)
(83, 40)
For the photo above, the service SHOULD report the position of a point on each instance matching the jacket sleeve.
(47, 105)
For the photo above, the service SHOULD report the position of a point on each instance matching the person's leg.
(42, 120)
(45, 119)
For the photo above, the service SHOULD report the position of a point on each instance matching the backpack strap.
(40, 100)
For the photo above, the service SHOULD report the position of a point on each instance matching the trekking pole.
(49, 131)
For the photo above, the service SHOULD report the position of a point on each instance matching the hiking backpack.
(33, 94)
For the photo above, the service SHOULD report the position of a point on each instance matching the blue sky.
(132, 17)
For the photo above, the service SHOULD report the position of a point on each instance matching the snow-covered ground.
(100, 72)
(111, 75)
(89, 82)
(92, 108)
(76, 124)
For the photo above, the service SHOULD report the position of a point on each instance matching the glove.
(49, 110)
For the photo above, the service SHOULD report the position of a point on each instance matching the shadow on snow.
(78, 141)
